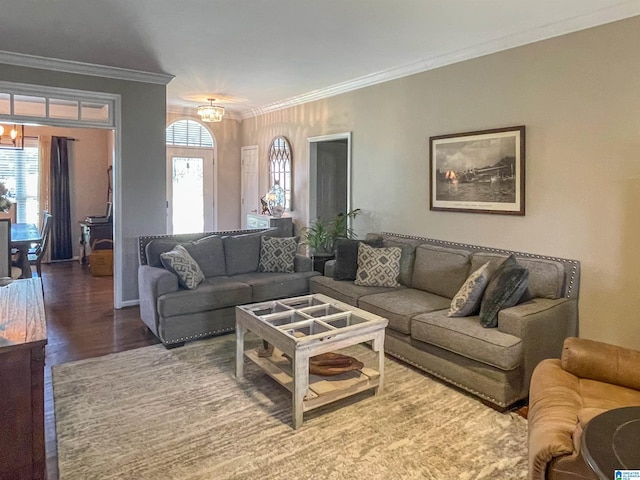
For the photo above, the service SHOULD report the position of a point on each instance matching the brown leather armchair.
(590, 378)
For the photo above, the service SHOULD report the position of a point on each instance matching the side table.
(319, 259)
(611, 441)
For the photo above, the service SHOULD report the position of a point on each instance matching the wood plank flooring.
(82, 323)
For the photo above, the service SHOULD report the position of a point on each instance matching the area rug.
(153, 413)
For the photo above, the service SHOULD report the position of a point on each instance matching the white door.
(249, 190)
(190, 190)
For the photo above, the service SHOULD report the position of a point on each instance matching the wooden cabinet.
(283, 224)
(23, 336)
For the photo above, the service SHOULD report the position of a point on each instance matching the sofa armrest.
(329, 268)
(302, 263)
(602, 362)
(554, 404)
(542, 324)
(153, 282)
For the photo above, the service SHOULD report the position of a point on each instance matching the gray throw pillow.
(278, 254)
(378, 267)
(242, 253)
(208, 252)
(346, 265)
(155, 247)
(186, 268)
(505, 288)
(467, 301)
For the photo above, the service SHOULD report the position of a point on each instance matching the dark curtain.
(61, 243)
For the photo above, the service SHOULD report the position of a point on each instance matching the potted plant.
(320, 235)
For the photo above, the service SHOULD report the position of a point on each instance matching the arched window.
(187, 133)
(280, 159)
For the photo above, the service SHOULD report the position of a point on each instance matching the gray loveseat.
(494, 364)
(229, 261)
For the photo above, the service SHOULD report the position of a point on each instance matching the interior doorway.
(329, 176)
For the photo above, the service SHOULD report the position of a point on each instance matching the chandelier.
(12, 137)
(211, 112)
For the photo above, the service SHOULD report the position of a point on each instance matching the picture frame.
(478, 172)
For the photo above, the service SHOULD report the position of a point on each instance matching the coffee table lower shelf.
(322, 390)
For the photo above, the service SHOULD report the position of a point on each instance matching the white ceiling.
(257, 55)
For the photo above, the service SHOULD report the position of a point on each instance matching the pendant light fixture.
(211, 112)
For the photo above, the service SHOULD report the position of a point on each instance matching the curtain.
(61, 243)
(44, 172)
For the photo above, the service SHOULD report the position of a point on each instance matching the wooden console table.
(23, 335)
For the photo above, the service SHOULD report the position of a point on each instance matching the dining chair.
(37, 252)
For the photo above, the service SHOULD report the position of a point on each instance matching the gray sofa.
(229, 262)
(494, 364)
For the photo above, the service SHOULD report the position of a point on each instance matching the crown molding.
(617, 12)
(70, 66)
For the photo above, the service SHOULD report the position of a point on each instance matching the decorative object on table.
(265, 206)
(330, 364)
(320, 236)
(276, 200)
(5, 203)
(478, 172)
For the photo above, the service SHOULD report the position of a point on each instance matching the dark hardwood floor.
(82, 323)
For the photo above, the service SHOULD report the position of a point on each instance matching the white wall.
(578, 96)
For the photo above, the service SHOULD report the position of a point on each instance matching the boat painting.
(480, 172)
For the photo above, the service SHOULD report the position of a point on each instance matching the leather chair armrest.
(554, 404)
(602, 362)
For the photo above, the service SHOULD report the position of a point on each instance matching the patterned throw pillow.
(467, 301)
(378, 267)
(278, 254)
(507, 285)
(183, 265)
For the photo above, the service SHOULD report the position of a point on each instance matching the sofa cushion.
(155, 247)
(546, 277)
(401, 305)
(378, 267)
(347, 292)
(440, 270)
(213, 293)
(179, 262)
(242, 253)
(467, 301)
(465, 336)
(270, 285)
(209, 253)
(346, 264)
(277, 254)
(506, 287)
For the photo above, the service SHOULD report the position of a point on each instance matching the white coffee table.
(303, 327)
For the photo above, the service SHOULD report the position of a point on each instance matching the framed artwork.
(478, 172)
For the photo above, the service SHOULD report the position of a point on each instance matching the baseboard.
(130, 303)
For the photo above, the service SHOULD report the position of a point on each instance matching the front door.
(190, 190)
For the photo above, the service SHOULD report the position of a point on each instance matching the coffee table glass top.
(309, 317)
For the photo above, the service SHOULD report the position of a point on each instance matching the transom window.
(280, 158)
(187, 133)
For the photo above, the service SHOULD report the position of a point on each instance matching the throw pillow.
(278, 254)
(242, 253)
(346, 265)
(183, 265)
(378, 267)
(467, 301)
(505, 288)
